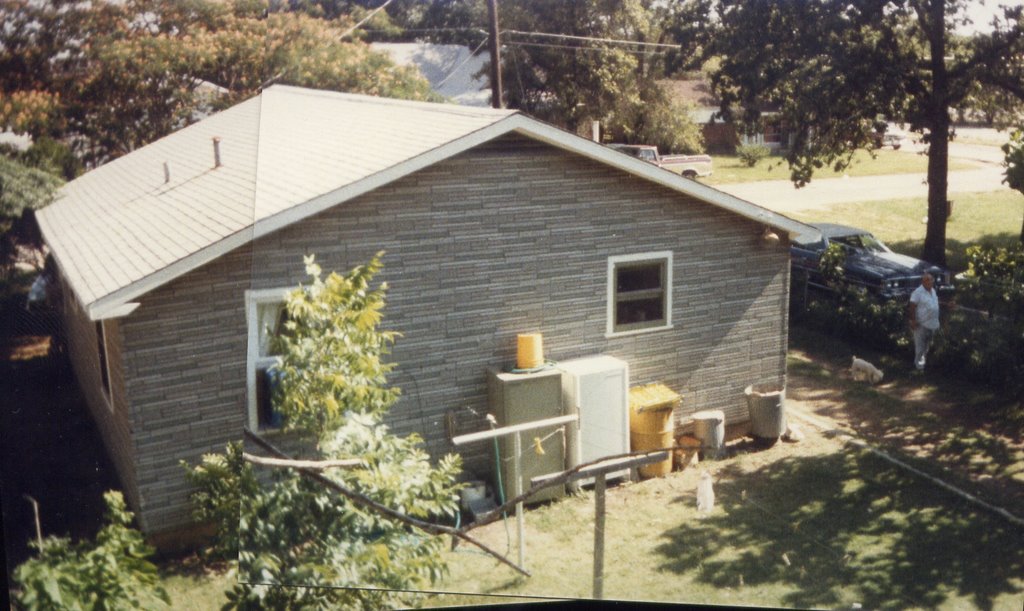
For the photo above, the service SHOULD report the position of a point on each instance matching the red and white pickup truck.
(690, 166)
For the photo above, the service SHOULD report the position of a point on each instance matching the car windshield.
(864, 241)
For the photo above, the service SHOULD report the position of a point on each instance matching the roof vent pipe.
(167, 173)
(216, 152)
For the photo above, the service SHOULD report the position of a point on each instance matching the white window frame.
(661, 256)
(253, 361)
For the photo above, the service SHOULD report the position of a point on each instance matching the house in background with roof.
(721, 136)
(175, 259)
(453, 71)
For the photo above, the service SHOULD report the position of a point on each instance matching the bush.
(984, 338)
(220, 482)
(750, 154)
(111, 573)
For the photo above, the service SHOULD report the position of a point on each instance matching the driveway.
(781, 196)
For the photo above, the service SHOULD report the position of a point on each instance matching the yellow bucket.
(530, 351)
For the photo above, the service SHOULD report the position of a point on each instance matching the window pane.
(266, 383)
(638, 277)
(640, 311)
(271, 319)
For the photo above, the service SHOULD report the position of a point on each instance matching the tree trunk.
(937, 109)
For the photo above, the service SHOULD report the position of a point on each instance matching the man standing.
(924, 318)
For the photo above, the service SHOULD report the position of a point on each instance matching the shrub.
(750, 154)
(984, 339)
(220, 482)
(111, 573)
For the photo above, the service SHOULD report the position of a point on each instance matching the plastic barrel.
(650, 424)
(653, 441)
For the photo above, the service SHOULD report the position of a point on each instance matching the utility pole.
(496, 93)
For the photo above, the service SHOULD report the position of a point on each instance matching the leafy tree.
(995, 106)
(22, 188)
(573, 81)
(109, 76)
(1014, 151)
(296, 532)
(831, 68)
(111, 573)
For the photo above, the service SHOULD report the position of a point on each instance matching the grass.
(991, 218)
(795, 526)
(729, 169)
(190, 585)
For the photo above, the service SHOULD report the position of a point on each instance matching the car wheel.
(895, 147)
(690, 174)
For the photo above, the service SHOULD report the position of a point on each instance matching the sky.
(981, 12)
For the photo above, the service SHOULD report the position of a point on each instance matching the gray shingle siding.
(510, 237)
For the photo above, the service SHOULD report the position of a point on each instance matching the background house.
(175, 257)
(453, 71)
(721, 136)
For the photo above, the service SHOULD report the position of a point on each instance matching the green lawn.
(992, 218)
(191, 586)
(795, 526)
(729, 169)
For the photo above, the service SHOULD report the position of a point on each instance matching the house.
(721, 136)
(175, 258)
(453, 71)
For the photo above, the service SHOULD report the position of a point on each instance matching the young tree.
(112, 572)
(832, 68)
(296, 532)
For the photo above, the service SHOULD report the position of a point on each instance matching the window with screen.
(639, 292)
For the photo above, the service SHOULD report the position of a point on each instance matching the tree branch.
(314, 465)
(434, 529)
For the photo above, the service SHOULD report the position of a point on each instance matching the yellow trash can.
(651, 425)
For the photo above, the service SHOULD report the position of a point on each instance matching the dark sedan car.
(869, 262)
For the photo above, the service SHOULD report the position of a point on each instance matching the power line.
(580, 48)
(368, 17)
(616, 41)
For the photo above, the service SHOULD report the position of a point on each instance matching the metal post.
(599, 485)
(517, 488)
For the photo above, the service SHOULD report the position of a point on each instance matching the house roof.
(696, 91)
(453, 71)
(123, 229)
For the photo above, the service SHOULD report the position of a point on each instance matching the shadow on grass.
(843, 528)
(960, 432)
